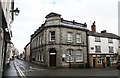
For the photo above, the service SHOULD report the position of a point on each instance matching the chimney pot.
(93, 27)
(104, 31)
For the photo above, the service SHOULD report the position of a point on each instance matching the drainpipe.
(30, 57)
(87, 42)
(69, 59)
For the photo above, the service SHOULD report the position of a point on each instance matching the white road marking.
(20, 72)
(23, 67)
(35, 69)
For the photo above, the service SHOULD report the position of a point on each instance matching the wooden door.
(52, 59)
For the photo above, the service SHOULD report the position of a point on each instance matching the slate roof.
(52, 14)
(105, 35)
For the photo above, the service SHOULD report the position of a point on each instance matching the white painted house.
(103, 48)
(119, 18)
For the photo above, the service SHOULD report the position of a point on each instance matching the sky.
(32, 15)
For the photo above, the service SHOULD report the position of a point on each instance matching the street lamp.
(17, 11)
(69, 58)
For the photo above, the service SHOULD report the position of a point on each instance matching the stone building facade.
(59, 43)
(27, 52)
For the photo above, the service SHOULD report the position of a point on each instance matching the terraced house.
(6, 18)
(59, 43)
(103, 48)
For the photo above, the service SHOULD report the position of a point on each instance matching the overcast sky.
(33, 12)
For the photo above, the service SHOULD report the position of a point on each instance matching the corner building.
(59, 43)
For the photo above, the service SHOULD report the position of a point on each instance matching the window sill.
(69, 61)
(69, 42)
(52, 41)
(78, 42)
(97, 51)
(97, 41)
(79, 61)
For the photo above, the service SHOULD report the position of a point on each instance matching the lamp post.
(16, 11)
(69, 58)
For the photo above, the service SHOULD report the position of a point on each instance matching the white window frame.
(39, 56)
(42, 59)
(111, 49)
(69, 37)
(51, 36)
(80, 54)
(69, 55)
(96, 49)
(39, 40)
(110, 40)
(97, 39)
(78, 38)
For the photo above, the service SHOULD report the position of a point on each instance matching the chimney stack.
(93, 27)
(104, 31)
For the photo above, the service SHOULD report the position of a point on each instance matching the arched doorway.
(52, 57)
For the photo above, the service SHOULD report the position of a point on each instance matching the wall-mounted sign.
(52, 53)
(92, 48)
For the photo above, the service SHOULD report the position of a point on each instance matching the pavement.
(10, 71)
